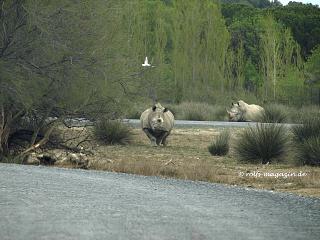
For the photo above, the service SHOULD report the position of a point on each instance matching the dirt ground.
(187, 157)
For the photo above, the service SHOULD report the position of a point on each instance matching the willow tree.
(200, 42)
(148, 36)
(279, 54)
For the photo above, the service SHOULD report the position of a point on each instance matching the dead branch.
(43, 141)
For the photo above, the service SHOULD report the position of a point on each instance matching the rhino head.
(156, 119)
(235, 114)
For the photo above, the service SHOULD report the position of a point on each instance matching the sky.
(314, 2)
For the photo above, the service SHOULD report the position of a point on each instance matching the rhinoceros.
(157, 123)
(243, 112)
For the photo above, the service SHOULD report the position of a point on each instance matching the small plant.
(112, 132)
(274, 114)
(309, 128)
(307, 139)
(262, 143)
(220, 146)
(303, 114)
(309, 151)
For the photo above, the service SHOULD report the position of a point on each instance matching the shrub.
(220, 146)
(198, 111)
(194, 111)
(309, 128)
(309, 151)
(307, 139)
(303, 114)
(112, 132)
(262, 143)
(274, 114)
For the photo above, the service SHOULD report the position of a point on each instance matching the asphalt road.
(80, 122)
(204, 124)
(52, 203)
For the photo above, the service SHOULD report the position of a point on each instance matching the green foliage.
(309, 128)
(252, 3)
(304, 21)
(262, 143)
(307, 141)
(84, 58)
(220, 146)
(112, 132)
(274, 113)
(195, 111)
(200, 44)
(309, 151)
(54, 58)
(253, 80)
(312, 68)
(198, 111)
(301, 115)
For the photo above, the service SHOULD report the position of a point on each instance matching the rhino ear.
(154, 108)
(165, 110)
(238, 103)
(232, 104)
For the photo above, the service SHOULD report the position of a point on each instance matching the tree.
(200, 44)
(280, 57)
(304, 22)
(312, 70)
(57, 60)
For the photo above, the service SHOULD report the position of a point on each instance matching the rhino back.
(253, 112)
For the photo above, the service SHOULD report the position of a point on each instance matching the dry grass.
(187, 157)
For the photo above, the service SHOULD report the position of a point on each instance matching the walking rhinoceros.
(243, 112)
(157, 123)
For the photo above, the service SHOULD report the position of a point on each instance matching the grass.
(262, 143)
(112, 132)
(198, 111)
(299, 115)
(309, 128)
(307, 140)
(274, 113)
(220, 146)
(187, 157)
(309, 151)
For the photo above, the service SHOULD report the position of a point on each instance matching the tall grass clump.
(307, 141)
(300, 115)
(220, 146)
(199, 111)
(112, 132)
(262, 143)
(274, 114)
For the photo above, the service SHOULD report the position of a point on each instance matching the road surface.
(204, 124)
(52, 203)
(81, 122)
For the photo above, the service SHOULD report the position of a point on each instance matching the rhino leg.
(150, 136)
(160, 138)
(164, 138)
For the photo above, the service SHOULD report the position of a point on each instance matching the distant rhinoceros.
(243, 112)
(157, 123)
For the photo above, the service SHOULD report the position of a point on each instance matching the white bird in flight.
(146, 64)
